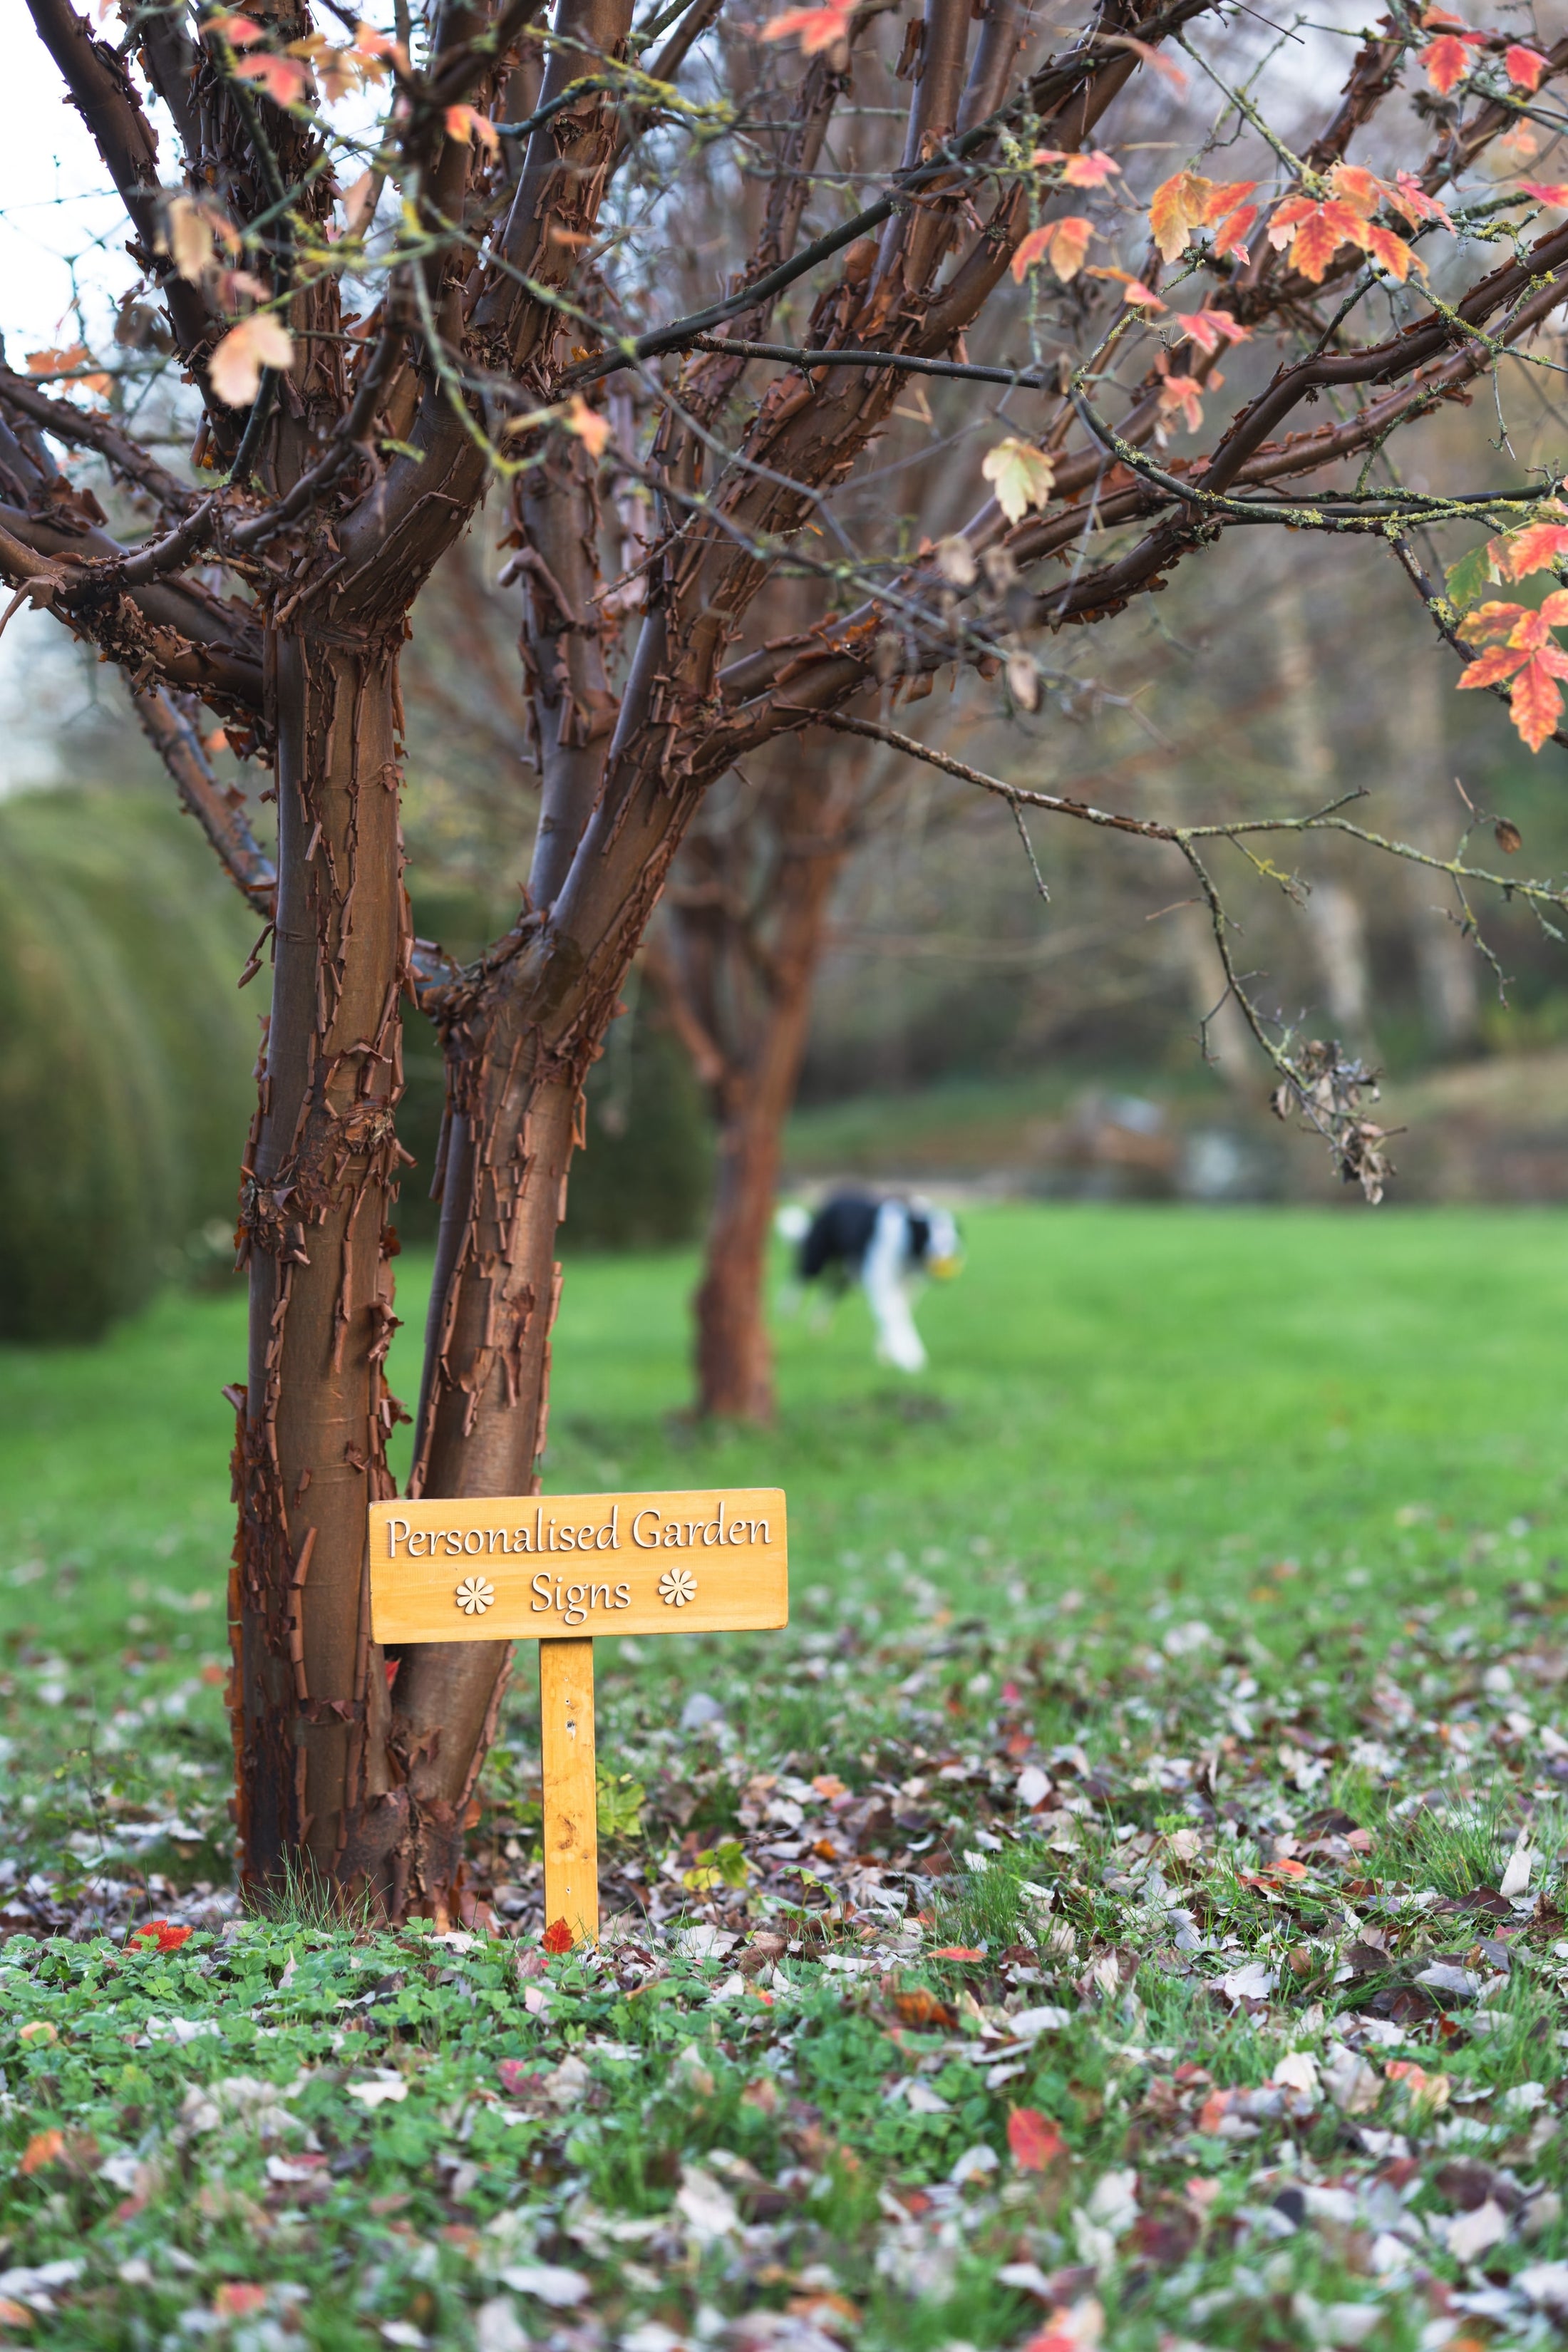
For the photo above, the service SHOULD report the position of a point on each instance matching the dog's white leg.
(898, 1341)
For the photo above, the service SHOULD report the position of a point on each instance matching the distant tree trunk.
(734, 1355)
(309, 1706)
(1430, 815)
(1335, 919)
(739, 996)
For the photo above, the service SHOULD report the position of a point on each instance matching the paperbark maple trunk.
(309, 1697)
(754, 1095)
(518, 1048)
(734, 1353)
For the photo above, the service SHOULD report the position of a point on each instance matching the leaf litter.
(1052, 1994)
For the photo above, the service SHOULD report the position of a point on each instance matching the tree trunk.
(753, 1096)
(309, 1700)
(518, 1044)
(733, 1352)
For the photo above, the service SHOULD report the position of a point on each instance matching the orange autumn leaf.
(240, 32)
(1528, 661)
(1523, 66)
(69, 362)
(1493, 667)
(1547, 191)
(1361, 189)
(557, 1937)
(1535, 703)
(1063, 243)
(1069, 243)
(376, 50)
(815, 28)
(1409, 197)
(1385, 246)
(1186, 393)
(44, 2147)
(466, 123)
(1091, 170)
(1133, 289)
(1033, 2140)
(919, 2007)
(1148, 55)
(238, 2298)
(1516, 622)
(1315, 232)
(1209, 329)
(1447, 59)
(285, 79)
(1178, 205)
(1533, 549)
(1232, 232)
(1225, 199)
(1032, 251)
(591, 427)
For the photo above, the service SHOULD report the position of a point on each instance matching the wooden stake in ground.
(560, 1569)
(571, 1788)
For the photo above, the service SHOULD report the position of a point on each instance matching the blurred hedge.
(125, 1055)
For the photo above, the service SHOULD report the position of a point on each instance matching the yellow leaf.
(1020, 475)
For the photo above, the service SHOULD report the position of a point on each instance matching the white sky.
(55, 203)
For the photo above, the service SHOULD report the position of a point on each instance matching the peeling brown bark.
(310, 1698)
(735, 972)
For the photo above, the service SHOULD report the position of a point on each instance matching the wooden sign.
(558, 1569)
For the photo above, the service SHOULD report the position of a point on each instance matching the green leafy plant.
(621, 1799)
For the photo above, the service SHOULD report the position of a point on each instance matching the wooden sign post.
(558, 1569)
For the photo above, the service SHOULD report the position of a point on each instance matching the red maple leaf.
(1409, 197)
(558, 1936)
(1186, 393)
(1319, 230)
(284, 79)
(1523, 66)
(1529, 657)
(1033, 2140)
(1534, 549)
(157, 1935)
(1232, 230)
(1395, 256)
(815, 28)
(1209, 329)
(1446, 60)
(238, 2298)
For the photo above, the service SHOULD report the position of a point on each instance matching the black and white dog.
(886, 1245)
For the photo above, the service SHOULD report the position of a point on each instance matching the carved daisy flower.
(474, 1594)
(676, 1586)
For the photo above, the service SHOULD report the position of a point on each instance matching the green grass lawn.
(1185, 1651)
(1118, 1398)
